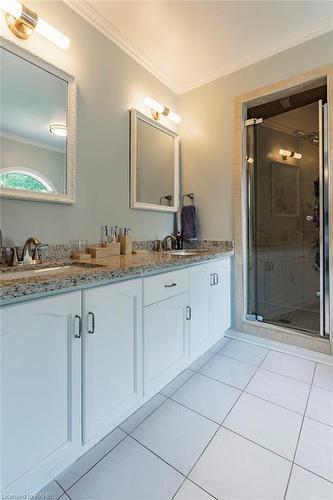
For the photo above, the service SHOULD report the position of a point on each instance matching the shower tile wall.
(287, 277)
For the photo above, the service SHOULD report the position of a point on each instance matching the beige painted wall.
(110, 83)
(207, 130)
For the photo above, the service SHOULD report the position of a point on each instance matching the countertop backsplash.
(60, 252)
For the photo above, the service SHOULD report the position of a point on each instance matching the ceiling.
(188, 43)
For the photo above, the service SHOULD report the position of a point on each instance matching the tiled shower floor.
(243, 422)
(307, 319)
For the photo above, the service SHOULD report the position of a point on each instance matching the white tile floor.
(243, 422)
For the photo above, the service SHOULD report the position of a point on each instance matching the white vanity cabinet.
(210, 304)
(75, 365)
(40, 389)
(219, 299)
(200, 283)
(112, 342)
(165, 327)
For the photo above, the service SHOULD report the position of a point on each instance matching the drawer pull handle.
(78, 334)
(92, 329)
(188, 313)
(212, 279)
(216, 280)
(171, 285)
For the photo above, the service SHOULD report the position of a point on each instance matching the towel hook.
(189, 195)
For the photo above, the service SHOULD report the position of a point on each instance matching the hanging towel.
(189, 223)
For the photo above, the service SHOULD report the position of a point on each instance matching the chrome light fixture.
(23, 21)
(158, 109)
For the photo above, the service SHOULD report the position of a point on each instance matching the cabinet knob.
(92, 316)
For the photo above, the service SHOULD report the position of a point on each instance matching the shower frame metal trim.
(242, 103)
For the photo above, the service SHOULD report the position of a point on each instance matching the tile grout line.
(64, 491)
(211, 439)
(71, 486)
(273, 403)
(214, 353)
(194, 411)
(153, 411)
(299, 433)
(284, 350)
(160, 392)
(195, 372)
(127, 435)
(156, 455)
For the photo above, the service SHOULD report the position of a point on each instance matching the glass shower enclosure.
(287, 219)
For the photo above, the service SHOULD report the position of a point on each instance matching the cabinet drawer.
(163, 286)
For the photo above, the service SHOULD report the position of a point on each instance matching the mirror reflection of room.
(33, 127)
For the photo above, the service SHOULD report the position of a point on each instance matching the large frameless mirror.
(38, 128)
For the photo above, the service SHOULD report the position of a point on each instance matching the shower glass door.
(286, 211)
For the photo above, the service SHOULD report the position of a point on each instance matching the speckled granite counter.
(107, 270)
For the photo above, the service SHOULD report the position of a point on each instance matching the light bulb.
(285, 152)
(52, 34)
(297, 156)
(13, 7)
(174, 117)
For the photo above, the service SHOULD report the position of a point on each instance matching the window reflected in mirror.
(34, 126)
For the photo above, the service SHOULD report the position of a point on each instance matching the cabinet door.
(199, 333)
(219, 299)
(40, 389)
(165, 341)
(112, 387)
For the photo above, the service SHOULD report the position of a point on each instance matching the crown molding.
(255, 58)
(90, 14)
(31, 142)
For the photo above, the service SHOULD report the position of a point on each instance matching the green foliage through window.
(19, 180)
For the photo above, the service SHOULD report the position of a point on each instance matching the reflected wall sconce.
(59, 130)
(158, 109)
(289, 154)
(23, 21)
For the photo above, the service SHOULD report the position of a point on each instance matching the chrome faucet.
(167, 242)
(12, 260)
(26, 252)
(29, 255)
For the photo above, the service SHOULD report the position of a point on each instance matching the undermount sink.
(43, 268)
(183, 252)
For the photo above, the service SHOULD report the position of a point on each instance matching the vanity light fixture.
(158, 109)
(289, 154)
(23, 21)
(59, 130)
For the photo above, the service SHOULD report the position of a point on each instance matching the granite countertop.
(98, 272)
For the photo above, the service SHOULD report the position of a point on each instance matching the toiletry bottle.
(179, 241)
(126, 242)
(105, 236)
